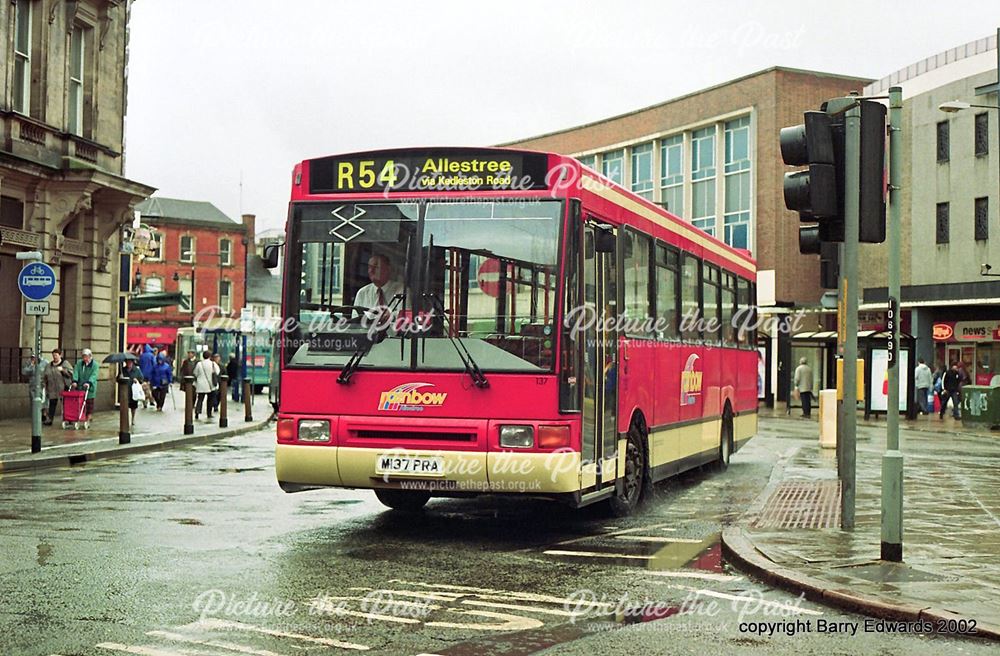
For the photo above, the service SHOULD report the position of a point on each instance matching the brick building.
(199, 254)
(712, 157)
(62, 191)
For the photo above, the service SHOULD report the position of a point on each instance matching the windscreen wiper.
(471, 368)
(355, 360)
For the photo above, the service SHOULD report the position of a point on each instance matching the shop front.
(974, 344)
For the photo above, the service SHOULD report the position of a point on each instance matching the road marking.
(707, 576)
(532, 609)
(658, 538)
(510, 622)
(230, 625)
(229, 646)
(594, 554)
(500, 595)
(141, 651)
(760, 602)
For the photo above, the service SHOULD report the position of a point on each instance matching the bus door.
(600, 361)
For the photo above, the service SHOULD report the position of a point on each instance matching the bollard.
(223, 393)
(247, 400)
(188, 405)
(124, 395)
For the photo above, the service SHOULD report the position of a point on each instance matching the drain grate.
(802, 504)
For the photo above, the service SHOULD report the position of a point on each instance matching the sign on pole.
(36, 308)
(36, 281)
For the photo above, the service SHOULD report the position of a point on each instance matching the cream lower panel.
(308, 465)
(538, 473)
(744, 426)
(684, 441)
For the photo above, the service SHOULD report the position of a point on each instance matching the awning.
(152, 334)
(139, 302)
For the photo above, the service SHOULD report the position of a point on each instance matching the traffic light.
(813, 192)
(871, 195)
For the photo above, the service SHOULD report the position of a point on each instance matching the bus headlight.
(517, 437)
(314, 430)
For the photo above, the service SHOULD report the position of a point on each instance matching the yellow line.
(594, 554)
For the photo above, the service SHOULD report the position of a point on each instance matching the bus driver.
(382, 288)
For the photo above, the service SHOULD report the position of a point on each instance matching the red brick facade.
(203, 265)
(775, 98)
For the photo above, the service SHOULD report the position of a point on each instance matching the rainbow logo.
(408, 398)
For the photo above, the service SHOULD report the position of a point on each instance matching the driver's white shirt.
(367, 296)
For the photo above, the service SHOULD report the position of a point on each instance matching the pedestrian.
(85, 378)
(187, 369)
(923, 380)
(803, 383)
(203, 372)
(216, 383)
(134, 375)
(233, 371)
(951, 384)
(163, 376)
(58, 377)
(147, 362)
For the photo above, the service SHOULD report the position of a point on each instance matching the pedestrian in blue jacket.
(163, 376)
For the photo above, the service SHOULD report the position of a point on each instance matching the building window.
(154, 285)
(187, 248)
(22, 57)
(982, 219)
(590, 162)
(613, 165)
(672, 174)
(943, 147)
(942, 223)
(736, 219)
(642, 171)
(225, 295)
(155, 246)
(76, 81)
(225, 252)
(11, 212)
(185, 287)
(703, 175)
(982, 134)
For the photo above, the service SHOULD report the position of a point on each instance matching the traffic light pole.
(892, 459)
(852, 175)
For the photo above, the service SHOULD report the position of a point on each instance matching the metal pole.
(852, 169)
(188, 405)
(892, 459)
(223, 402)
(124, 396)
(36, 391)
(247, 400)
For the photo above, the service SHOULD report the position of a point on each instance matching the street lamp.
(984, 270)
(953, 106)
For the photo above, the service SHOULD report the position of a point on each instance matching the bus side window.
(691, 316)
(667, 293)
(710, 302)
(638, 309)
(728, 310)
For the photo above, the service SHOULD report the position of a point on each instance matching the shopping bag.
(137, 392)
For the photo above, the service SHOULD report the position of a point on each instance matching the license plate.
(392, 464)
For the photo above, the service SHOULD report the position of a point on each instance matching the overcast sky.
(221, 90)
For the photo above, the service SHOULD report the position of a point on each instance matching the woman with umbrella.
(130, 371)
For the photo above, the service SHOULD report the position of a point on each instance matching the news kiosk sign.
(428, 170)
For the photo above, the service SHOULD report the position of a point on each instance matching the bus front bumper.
(300, 466)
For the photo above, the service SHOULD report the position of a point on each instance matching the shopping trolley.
(75, 409)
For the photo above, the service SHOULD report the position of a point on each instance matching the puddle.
(44, 552)
(705, 555)
(187, 521)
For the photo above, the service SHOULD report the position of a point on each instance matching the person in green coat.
(85, 378)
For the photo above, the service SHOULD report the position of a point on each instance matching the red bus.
(491, 321)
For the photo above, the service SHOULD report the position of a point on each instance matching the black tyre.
(406, 500)
(725, 441)
(626, 500)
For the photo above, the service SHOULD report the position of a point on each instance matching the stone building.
(950, 178)
(62, 191)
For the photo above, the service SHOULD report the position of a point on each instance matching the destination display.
(428, 170)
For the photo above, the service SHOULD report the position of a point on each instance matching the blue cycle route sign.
(36, 281)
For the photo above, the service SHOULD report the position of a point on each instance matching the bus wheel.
(623, 503)
(406, 500)
(725, 440)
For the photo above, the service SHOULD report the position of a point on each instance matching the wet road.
(197, 551)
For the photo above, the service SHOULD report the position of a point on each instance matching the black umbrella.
(120, 357)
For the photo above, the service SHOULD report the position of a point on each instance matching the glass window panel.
(187, 248)
(636, 272)
(590, 162)
(673, 198)
(642, 170)
(690, 298)
(666, 298)
(703, 153)
(613, 166)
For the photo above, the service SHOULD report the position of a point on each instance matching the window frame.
(155, 237)
(229, 251)
(609, 157)
(942, 226)
(673, 331)
(981, 136)
(22, 58)
(675, 180)
(696, 336)
(76, 80)
(943, 141)
(146, 289)
(711, 278)
(180, 248)
(981, 228)
(638, 237)
(228, 306)
(189, 283)
(643, 187)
